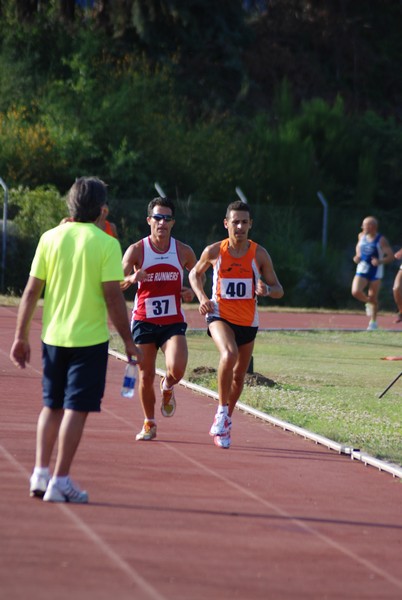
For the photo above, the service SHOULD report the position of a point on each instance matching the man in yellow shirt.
(79, 266)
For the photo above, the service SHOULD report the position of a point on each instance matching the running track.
(275, 517)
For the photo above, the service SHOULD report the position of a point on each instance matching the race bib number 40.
(236, 289)
(161, 306)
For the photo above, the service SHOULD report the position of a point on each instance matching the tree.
(67, 10)
(26, 9)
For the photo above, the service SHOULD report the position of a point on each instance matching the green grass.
(326, 382)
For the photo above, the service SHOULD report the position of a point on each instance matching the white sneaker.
(168, 404)
(38, 485)
(71, 493)
(222, 423)
(223, 441)
(372, 326)
(369, 309)
(147, 433)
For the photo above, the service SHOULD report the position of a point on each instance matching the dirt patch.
(251, 379)
(199, 371)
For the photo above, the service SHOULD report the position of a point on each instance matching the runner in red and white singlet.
(156, 263)
(158, 299)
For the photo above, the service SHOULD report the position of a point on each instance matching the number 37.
(160, 307)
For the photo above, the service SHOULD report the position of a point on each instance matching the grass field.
(326, 382)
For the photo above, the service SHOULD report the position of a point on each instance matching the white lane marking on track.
(324, 538)
(366, 563)
(103, 546)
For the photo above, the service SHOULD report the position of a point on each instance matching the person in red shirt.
(157, 263)
(242, 270)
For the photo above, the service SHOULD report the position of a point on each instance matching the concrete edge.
(355, 454)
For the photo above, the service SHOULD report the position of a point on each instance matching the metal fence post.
(325, 221)
(4, 245)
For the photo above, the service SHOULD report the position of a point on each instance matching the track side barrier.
(355, 454)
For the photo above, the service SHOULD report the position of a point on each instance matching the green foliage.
(31, 212)
(27, 152)
(36, 211)
(159, 91)
(205, 40)
(317, 286)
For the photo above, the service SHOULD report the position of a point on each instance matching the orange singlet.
(108, 229)
(233, 289)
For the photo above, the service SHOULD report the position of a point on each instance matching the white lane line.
(137, 578)
(324, 538)
(273, 507)
(89, 532)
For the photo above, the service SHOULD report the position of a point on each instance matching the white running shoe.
(70, 493)
(147, 433)
(38, 485)
(369, 309)
(372, 326)
(222, 423)
(223, 441)
(168, 404)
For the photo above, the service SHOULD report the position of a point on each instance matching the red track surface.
(308, 320)
(275, 517)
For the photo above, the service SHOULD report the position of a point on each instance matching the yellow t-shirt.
(74, 259)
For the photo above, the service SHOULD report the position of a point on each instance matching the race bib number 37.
(161, 306)
(236, 289)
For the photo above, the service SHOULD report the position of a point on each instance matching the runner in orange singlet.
(242, 271)
(105, 225)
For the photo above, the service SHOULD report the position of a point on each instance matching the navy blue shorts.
(243, 333)
(74, 377)
(149, 333)
(371, 275)
(368, 271)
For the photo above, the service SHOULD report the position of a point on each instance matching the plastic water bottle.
(130, 377)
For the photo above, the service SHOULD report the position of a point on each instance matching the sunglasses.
(166, 218)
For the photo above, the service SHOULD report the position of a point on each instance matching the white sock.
(42, 471)
(61, 482)
(223, 409)
(164, 386)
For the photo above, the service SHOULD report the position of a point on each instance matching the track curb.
(355, 454)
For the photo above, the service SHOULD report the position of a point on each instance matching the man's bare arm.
(20, 352)
(270, 285)
(197, 277)
(117, 310)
